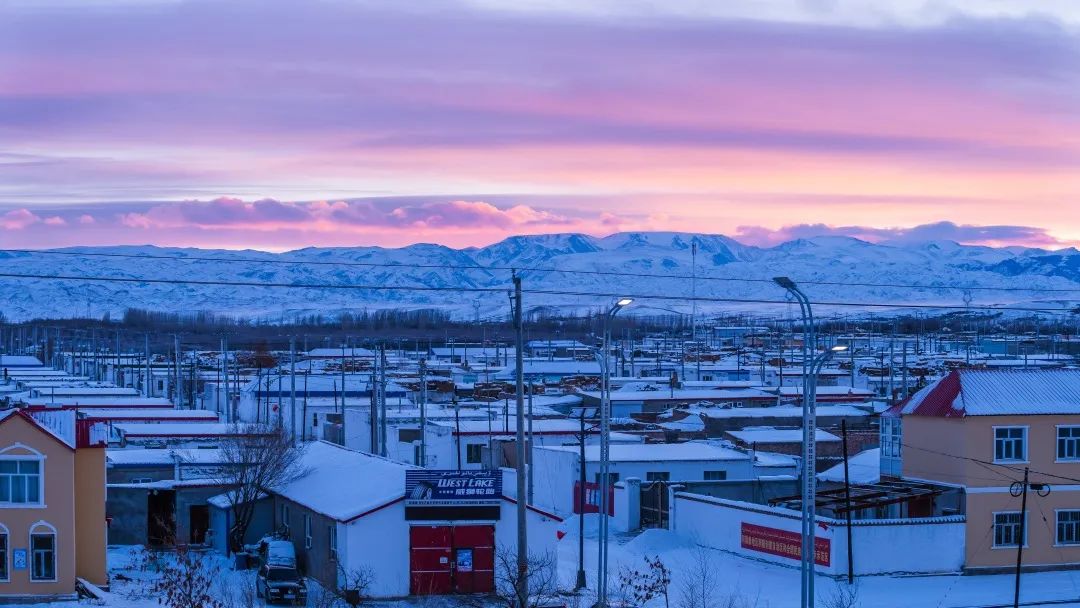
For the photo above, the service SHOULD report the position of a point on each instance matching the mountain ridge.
(432, 275)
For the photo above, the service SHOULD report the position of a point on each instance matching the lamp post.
(809, 420)
(604, 357)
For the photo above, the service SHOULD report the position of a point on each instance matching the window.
(1010, 443)
(43, 554)
(1006, 529)
(285, 516)
(1068, 527)
(20, 481)
(474, 453)
(307, 531)
(4, 554)
(331, 535)
(657, 476)
(715, 475)
(1068, 443)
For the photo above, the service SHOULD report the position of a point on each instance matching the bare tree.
(257, 458)
(541, 574)
(701, 587)
(188, 580)
(643, 585)
(842, 596)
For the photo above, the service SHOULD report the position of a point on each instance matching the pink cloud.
(17, 219)
(55, 221)
(86, 219)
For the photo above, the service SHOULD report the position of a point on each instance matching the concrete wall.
(126, 507)
(880, 547)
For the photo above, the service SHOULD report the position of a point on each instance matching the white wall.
(934, 544)
(380, 541)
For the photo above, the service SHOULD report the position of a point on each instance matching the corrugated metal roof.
(998, 393)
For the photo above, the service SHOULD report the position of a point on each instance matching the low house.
(52, 506)
(559, 468)
(626, 403)
(407, 547)
(787, 441)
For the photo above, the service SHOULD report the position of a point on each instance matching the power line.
(640, 275)
(989, 463)
(641, 296)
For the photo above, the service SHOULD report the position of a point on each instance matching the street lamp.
(809, 456)
(604, 357)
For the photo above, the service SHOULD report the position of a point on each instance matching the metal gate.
(451, 559)
(654, 504)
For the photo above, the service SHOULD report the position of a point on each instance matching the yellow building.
(52, 506)
(979, 430)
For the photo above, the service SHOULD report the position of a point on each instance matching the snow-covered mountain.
(561, 272)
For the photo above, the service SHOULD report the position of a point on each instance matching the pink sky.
(278, 124)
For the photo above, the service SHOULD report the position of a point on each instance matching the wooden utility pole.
(522, 540)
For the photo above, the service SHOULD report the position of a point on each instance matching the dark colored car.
(281, 584)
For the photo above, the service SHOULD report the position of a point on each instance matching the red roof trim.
(939, 401)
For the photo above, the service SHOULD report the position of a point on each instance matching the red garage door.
(451, 559)
(429, 560)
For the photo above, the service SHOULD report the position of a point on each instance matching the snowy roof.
(19, 361)
(973, 392)
(89, 391)
(657, 452)
(686, 395)
(773, 459)
(181, 429)
(542, 367)
(826, 391)
(149, 414)
(330, 353)
(369, 481)
(104, 402)
(780, 411)
(770, 435)
(863, 468)
(499, 426)
(162, 457)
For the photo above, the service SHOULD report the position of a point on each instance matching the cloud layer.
(589, 115)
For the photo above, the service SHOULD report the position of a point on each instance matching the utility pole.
(693, 298)
(530, 441)
(522, 539)
(582, 480)
(146, 344)
(292, 387)
(382, 400)
(847, 505)
(177, 391)
(423, 413)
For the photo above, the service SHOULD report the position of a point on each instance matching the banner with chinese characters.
(783, 543)
(427, 487)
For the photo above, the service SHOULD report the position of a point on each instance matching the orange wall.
(927, 439)
(90, 533)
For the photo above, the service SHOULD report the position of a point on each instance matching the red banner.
(783, 543)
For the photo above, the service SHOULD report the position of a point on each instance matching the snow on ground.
(746, 583)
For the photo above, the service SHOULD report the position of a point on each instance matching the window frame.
(1024, 443)
(1057, 443)
(51, 531)
(34, 456)
(5, 555)
(1023, 524)
(722, 475)
(1057, 529)
(307, 530)
(331, 542)
(479, 453)
(653, 476)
